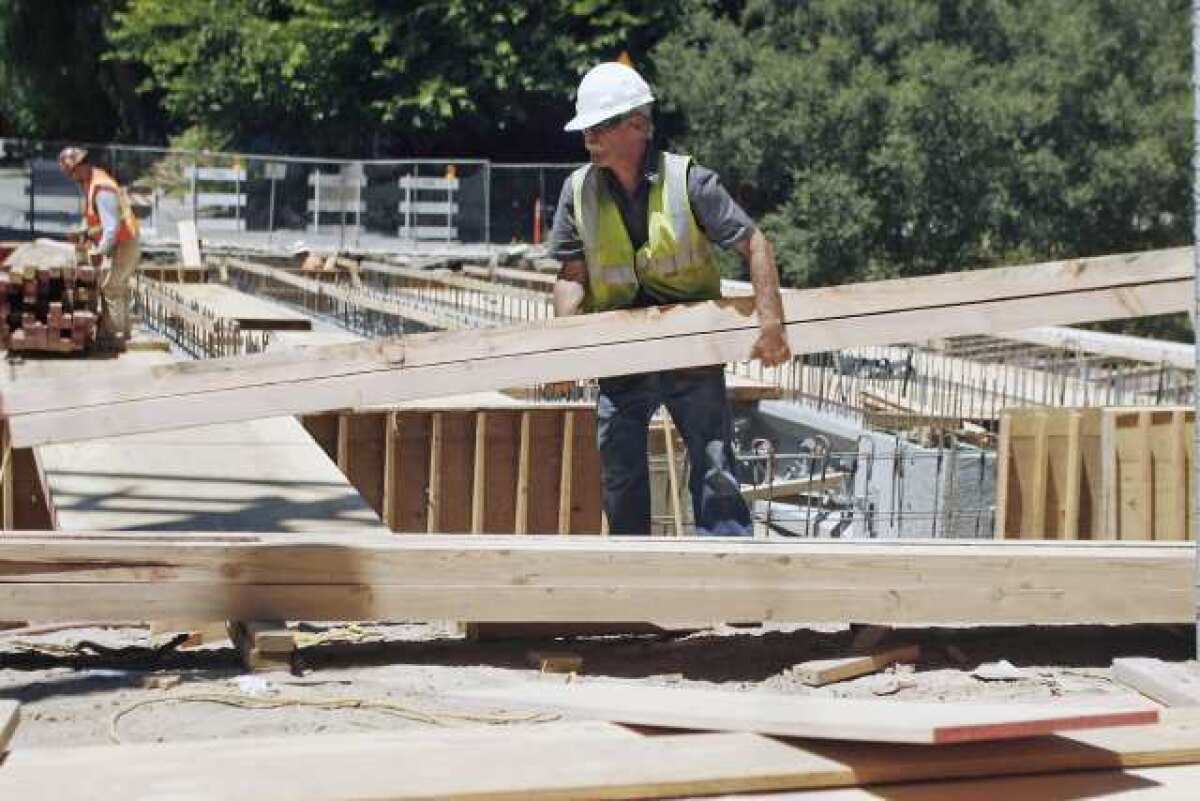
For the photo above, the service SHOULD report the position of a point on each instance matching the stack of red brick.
(48, 308)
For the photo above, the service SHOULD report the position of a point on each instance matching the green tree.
(344, 77)
(53, 83)
(899, 137)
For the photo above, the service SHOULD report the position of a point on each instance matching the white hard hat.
(609, 89)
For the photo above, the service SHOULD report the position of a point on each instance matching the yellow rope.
(392, 707)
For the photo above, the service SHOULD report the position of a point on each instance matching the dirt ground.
(72, 683)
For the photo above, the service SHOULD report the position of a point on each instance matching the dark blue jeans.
(696, 399)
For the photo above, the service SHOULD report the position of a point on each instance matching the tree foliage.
(900, 137)
(53, 83)
(355, 76)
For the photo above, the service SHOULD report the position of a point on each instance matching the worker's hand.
(772, 346)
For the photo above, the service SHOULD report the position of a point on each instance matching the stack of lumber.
(47, 303)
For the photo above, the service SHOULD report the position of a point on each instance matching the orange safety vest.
(102, 181)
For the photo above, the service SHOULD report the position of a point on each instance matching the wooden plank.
(324, 429)
(263, 645)
(479, 476)
(793, 487)
(819, 672)
(1073, 478)
(566, 479)
(1177, 480)
(189, 244)
(544, 471)
(10, 716)
(503, 468)
(585, 489)
(524, 456)
(455, 491)
(1091, 482)
(413, 436)
(611, 343)
(1168, 683)
(433, 519)
(391, 471)
(33, 508)
(1145, 478)
(1142, 784)
(362, 454)
(506, 579)
(1110, 476)
(807, 716)
(1033, 497)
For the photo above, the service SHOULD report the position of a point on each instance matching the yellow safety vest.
(675, 263)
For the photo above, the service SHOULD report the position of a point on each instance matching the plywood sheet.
(802, 716)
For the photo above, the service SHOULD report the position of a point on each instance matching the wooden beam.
(391, 471)
(479, 473)
(1178, 481)
(434, 519)
(589, 579)
(930, 722)
(523, 467)
(668, 431)
(1074, 477)
(1145, 478)
(566, 477)
(612, 343)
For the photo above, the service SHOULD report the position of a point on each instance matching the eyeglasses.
(606, 125)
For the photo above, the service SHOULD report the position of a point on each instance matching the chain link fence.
(281, 202)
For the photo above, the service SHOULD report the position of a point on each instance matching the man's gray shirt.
(723, 221)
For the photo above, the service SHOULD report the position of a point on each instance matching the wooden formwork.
(25, 501)
(1100, 473)
(502, 470)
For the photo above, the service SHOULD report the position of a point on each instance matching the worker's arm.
(772, 345)
(109, 209)
(569, 288)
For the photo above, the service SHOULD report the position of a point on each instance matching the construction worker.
(111, 233)
(634, 228)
